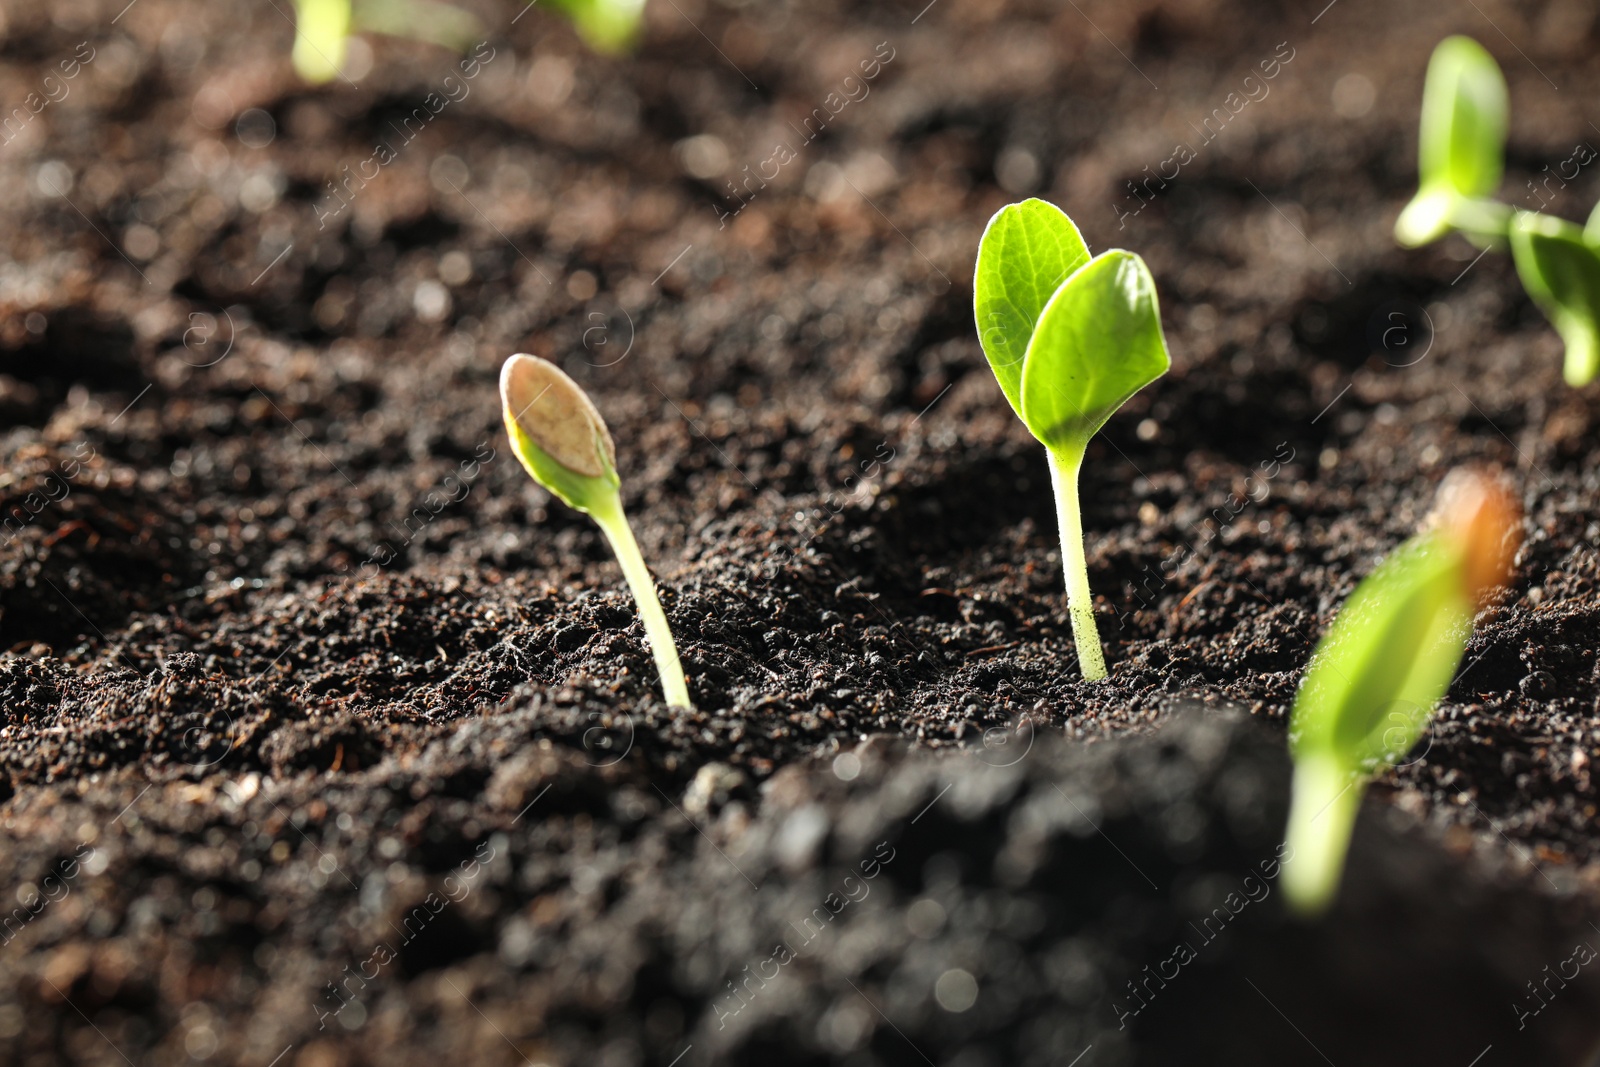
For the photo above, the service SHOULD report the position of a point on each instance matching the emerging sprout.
(320, 31)
(564, 444)
(1069, 339)
(1461, 159)
(1461, 154)
(605, 25)
(1560, 268)
(1385, 663)
(323, 27)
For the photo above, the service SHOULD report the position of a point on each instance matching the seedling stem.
(608, 515)
(1065, 463)
(1320, 830)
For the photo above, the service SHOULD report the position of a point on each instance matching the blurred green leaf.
(605, 25)
(323, 27)
(421, 20)
(1393, 648)
(1367, 696)
(1560, 269)
(1461, 155)
(1385, 662)
(1465, 108)
(320, 31)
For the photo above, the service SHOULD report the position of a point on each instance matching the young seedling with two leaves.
(1070, 338)
(1383, 665)
(1461, 158)
(563, 442)
(323, 27)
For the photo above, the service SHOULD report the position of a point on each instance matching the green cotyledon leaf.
(1461, 150)
(1028, 250)
(1098, 341)
(1560, 269)
(1387, 658)
(1465, 111)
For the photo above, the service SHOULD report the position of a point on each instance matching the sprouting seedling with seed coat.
(563, 442)
(1383, 665)
(1070, 338)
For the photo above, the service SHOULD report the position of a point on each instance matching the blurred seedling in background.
(1385, 663)
(1461, 150)
(323, 28)
(564, 444)
(1460, 160)
(609, 26)
(1559, 265)
(1069, 339)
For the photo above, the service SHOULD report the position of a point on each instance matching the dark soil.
(293, 642)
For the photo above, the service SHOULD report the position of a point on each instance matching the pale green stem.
(610, 518)
(1487, 222)
(1583, 352)
(1322, 815)
(1435, 211)
(1064, 467)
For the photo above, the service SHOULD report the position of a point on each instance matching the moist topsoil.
(329, 738)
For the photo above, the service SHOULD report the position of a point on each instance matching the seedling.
(323, 27)
(1560, 268)
(1070, 338)
(605, 25)
(1461, 157)
(1461, 154)
(564, 444)
(1377, 674)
